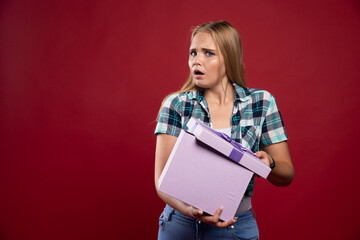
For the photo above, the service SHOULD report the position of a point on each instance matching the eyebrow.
(204, 49)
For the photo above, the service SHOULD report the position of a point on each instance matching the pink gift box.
(206, 170)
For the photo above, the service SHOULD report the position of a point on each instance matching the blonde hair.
(228, 40)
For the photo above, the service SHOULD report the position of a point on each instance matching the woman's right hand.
(211, 220)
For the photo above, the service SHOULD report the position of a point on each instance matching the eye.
(209, 54)
(193, 53)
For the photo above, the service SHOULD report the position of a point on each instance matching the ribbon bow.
(226, 137)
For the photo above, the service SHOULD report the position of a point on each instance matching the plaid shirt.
(256, 121)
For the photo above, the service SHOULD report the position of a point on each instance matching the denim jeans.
(174, 225)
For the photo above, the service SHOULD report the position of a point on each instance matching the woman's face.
(206, 62)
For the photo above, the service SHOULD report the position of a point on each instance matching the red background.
(81, 83)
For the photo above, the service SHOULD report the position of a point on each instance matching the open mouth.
(197, 72)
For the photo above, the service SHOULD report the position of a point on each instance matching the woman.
(215, 94)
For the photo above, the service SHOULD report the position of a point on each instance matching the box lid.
(225, 145)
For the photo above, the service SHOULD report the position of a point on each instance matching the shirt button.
(232, 226)
(198, 221)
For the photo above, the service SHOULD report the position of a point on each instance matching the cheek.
(215, 66)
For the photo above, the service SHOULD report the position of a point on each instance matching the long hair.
(228, 40)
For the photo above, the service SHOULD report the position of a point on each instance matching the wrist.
(272, 163)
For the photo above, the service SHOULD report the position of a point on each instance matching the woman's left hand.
(266, 158)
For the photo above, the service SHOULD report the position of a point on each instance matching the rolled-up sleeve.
(169, 119)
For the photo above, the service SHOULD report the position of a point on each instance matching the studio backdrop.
(81, 83)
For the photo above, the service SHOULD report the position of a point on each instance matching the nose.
(197, 60)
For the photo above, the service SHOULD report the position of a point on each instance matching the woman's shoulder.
(179, 99)
(256, 91)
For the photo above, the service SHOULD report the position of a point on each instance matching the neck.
(221, 94)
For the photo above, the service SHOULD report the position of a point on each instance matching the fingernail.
(222, 207)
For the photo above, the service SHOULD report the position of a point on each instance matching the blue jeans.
(173, 225)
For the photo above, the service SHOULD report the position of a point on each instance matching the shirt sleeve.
(273, 129)
(169, 119)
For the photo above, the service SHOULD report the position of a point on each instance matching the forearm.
(282, 174)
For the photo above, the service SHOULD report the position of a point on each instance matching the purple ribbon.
(224, 136)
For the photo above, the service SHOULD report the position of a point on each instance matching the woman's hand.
(266, 158)
(211, 220)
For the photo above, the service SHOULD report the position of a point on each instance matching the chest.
(220, 115)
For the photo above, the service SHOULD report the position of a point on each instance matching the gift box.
(207, 169)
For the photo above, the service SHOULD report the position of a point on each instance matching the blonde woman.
(215, 93)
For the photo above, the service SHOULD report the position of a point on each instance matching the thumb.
(258, 154)
(197, 212)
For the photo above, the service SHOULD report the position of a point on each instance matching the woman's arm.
(283, 173)
(164, 145)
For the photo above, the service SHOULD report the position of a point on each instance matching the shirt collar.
(241, 94)
(197, 95)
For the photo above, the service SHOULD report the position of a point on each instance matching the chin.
(201, 84)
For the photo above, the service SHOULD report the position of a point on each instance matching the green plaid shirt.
(256, 120)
